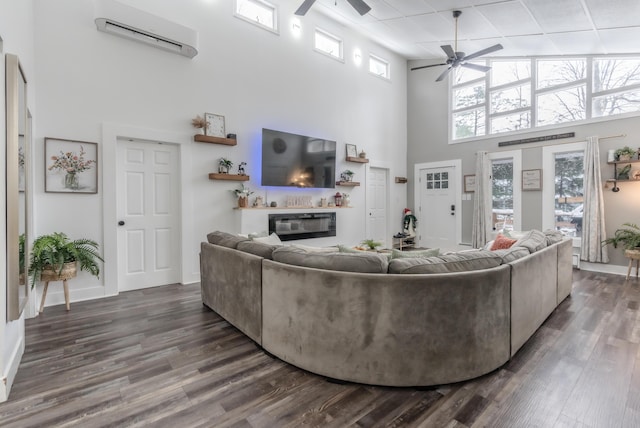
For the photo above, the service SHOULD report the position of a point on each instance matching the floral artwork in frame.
(70, 166)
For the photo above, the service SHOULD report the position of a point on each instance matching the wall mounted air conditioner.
(135, 24)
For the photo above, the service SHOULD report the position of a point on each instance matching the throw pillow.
(272, 239)
(255, 235)
(502, 242)
(397, 254)
(345, 249)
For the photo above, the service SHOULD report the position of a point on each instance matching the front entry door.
(148, 214)
(438, 211)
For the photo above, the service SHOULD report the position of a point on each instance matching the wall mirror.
(18, 127)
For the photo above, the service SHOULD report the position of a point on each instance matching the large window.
(521, 94)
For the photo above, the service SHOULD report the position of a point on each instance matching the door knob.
(121, 223)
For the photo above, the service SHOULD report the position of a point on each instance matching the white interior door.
(438, 211)
(377, 196)
(148, 214)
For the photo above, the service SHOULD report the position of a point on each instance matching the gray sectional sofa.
(363, 318)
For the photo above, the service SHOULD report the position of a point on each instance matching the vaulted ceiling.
(417, 28)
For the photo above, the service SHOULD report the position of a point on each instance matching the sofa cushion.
(534, 240)
(225, 239)
(345, 249)
(311, 249)
(397, 254)
(257, 248)
(553, 236)
(458, 262)
(513, 253)
(502, 242)
(363, 261)
(272, 239)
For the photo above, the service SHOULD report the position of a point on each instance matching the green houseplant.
(371, 243)
(50, 253)
(628, 237)
(625, 153)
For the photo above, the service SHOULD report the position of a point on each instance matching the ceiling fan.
(456, 59)
(360, 6)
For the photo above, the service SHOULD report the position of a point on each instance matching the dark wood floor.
(159, 358)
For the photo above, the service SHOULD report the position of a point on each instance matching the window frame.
(532, 109)
(548, 182)
(516, 157)
(268, 5)
(328, 35)
(387, 75)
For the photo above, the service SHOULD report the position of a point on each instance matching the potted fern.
(628, 237)
(55, 257)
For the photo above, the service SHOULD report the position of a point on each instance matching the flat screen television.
(293, 160)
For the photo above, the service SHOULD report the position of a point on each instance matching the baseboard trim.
(603, 268)
(12, 370)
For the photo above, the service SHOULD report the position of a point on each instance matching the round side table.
(632, 255)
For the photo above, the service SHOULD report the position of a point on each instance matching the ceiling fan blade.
(426, 66)
(477, 67)
(444, 74)
(360, 6)
(483, 52)
(449, 51)
(304, 7)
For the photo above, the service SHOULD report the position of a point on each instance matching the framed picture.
(215, 125)
(470, 183)
(531, 179)
(70, 166)
(352, 151)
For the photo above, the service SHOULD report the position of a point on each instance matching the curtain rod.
(510, 148)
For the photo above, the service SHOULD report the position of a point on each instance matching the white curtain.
(593, 231)
(482, 201)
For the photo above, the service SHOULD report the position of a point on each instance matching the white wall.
(428, 104)
(254, 78)
(16, 30)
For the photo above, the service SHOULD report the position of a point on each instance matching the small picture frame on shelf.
(215, 125)
(352, 151)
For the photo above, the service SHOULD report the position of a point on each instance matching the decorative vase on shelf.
(242, 202)
(71, 181)
(362, 155)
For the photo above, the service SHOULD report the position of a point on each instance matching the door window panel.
(569, 192)
(502, 194)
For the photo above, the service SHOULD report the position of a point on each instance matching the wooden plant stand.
(69, 270)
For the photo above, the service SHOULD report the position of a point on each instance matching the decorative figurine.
(241, 168)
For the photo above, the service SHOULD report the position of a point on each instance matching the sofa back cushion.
(457, 262)
(397, 254)
(533, 240)
(363, 262)
(225, 239)
(513, 253)
(258, 248)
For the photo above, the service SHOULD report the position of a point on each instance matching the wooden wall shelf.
(616, 180)
(215, 140)
(348, 183)
(357, 160)
(229, 177)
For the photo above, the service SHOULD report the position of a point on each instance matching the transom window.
(328, 44)
(258, 12)
(379, 67)
(522, 94)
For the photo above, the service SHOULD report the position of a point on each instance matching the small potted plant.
(624, 154)
(371, 244)
(200, 123)
(628, 237)
(243, 195)
(224, 165)
(346, 175)
(55, 257)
